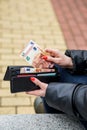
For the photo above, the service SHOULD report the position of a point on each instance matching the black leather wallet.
(21, 82)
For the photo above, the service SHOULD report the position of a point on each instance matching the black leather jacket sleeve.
(79, 59)
(68, 98)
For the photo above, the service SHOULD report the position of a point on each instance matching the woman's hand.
(39, 62)
(41, 91)
(59, 58)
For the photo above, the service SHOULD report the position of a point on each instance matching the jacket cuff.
(74, 69)
(59, 96)
(77, 59)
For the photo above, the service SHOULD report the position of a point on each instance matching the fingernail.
(32, 78)
(44, 57)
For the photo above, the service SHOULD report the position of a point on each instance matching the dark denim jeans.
(66, 77)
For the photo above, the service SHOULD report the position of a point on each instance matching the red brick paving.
(72, 16)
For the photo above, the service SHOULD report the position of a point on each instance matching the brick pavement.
(72, 16)
(20, 21)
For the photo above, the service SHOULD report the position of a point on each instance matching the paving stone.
(21, 21)
(72, 16)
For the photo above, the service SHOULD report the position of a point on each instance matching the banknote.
(30, 52)
(33, 70)
(33, 53)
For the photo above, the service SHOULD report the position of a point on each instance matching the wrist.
(70, 63)
(44, 90)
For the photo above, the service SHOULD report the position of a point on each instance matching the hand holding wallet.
(20, 82)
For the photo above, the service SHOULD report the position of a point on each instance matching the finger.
(51, 66)
(35, 92)
(37, 82)
(53, 52)
(51, 59)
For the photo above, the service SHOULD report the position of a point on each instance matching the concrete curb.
(39, 122)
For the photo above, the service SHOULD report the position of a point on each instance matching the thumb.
(53, 52)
